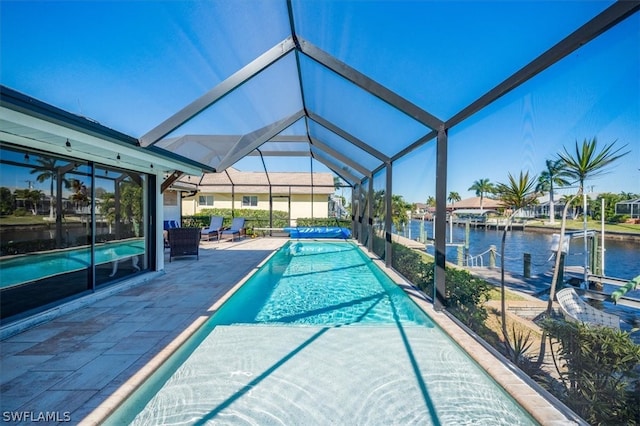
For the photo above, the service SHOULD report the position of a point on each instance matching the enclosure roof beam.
(253, 140)
(417, 144)
(221, 90)
(367, 84)
(335, 168)
(343, 134)
(339, 156)
(614, 14)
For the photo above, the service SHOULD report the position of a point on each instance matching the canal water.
(622, 258)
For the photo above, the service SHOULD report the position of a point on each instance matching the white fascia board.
(87, 146)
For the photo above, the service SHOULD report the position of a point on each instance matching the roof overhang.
(28, 122)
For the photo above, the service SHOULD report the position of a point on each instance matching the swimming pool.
(320, 335)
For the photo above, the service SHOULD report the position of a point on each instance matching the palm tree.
(431, 201)
(482, 186)
(48, 169)
(399, 208)
(108, 208)
(554, 174)
(30, 198)
(337, 183)
(516, 194)
(379, 208)
(454, 197)
(587, 163)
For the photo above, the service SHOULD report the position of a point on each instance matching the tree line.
(568, 169)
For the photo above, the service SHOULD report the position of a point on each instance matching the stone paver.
(80, 363)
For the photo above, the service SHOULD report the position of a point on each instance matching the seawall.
(608, 235)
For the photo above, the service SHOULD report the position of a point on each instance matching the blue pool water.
(320, 283)
(35, 266)
(320, 335)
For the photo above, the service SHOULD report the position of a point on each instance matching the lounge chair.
(184, 242)
(577, 310)
(237, 228)
(215, 226)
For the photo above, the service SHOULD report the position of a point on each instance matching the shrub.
(599, 368)
(379, 245)
(323, 221)
(412, 265)
(254, 218)
(619, 218)
(465, 294)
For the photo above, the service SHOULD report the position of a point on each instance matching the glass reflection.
(120, 224)
(64, 230)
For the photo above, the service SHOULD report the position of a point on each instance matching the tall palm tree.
(482, 186)
(554, 174)
(515, 194)
(585, 163)
(48, 170)
(454, 197)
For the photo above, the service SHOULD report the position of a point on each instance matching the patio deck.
(80, 364)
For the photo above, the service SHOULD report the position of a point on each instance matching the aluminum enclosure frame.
(437, 129)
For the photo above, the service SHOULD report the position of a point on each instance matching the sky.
(131, 65)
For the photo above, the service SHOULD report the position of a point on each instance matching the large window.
(66, 227)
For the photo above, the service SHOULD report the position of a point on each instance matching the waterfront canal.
(622, 258)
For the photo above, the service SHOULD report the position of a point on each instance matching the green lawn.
(591, 224)
(496, 294)
(30, 219)
(22, 220)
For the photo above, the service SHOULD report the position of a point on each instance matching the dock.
(539, 285)
(407, 242)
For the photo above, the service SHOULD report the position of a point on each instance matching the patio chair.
(184, 242)
(168, 224)
(577, 310)
(237, 228)
(215, 226)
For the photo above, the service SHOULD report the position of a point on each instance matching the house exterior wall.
(300, 204)
(171, 205)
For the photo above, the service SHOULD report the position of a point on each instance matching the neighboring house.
(421, 208)
(474, 203)
(301, 194)
(541, 208)
(630, 208)
(424, 211)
